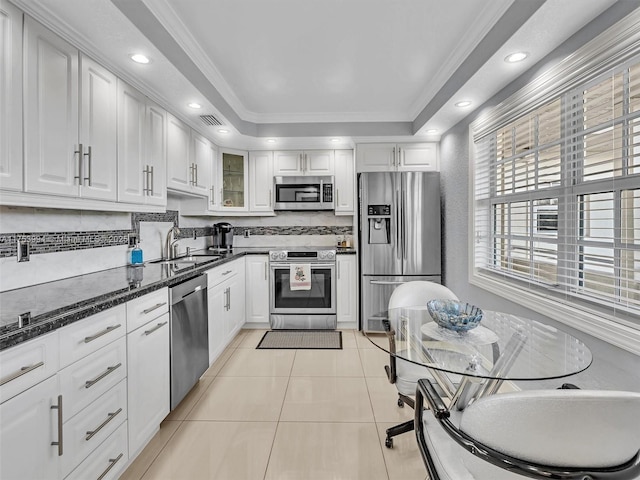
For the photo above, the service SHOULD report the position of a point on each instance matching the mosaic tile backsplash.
(52, 242)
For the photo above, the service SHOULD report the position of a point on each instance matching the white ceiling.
(306, 70)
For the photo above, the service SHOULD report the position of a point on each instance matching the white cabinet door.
(288, 163)
(148, 380)
(375, 157)
(347, 289)
(261, 181)
(345, 182)
(257, 284)
(10, 97)
(51, 112)
(98, 130)
(201, 163)
(233, 171)
(236, 302)
(418, 157)
(318, 162)
(214, 183)
(28, 427)
(131, 144)
(156, 155)
(179, 173)
(216, 297)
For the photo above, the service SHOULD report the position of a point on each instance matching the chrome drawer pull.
(60, 421)
(112, 461)
(103, 332)
(160, 325)
(91, 383)
(155, 307)
(227, 272)
(110, 416)
(22, 371)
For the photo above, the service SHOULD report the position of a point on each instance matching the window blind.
(557, 195)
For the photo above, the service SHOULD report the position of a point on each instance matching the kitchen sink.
(185, 261)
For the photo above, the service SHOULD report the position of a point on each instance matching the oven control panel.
(302, 256)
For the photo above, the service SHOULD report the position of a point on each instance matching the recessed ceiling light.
(140, 58)
(464, 103)
(195, 105)
(222, 130)
(271, 140)
(431, 130)
(335, 140)
(516, 57)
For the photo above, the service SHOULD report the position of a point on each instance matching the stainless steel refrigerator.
(399, 222)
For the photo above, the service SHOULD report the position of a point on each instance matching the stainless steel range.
(303, 288)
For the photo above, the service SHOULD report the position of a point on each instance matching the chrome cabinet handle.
(145, 187)
(103, 332)
(266, 270)
(110, 416)
(191, 173)
(212, 199)
(227, 272)
(270, 200)
(393, 157)
(152, 180)
(79, 151)
(157, 327)
(22, 371)
(91, 383)
(399, 160)
(112, 462)
(155, 307)
(59, 442)
(89, 162)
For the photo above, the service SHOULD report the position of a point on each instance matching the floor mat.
(301, 339)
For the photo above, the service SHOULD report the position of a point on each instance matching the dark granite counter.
(55, 304)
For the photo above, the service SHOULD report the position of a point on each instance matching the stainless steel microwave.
(304, 193)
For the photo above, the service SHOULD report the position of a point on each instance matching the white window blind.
(556, 202)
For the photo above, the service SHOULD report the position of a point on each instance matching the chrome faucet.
(169, 254)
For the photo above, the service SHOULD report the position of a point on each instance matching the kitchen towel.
(300, 276)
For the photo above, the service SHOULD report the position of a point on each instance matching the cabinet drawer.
(84, 381)
(90, 334)
(93, 425)
(107, 461)
(25, 365)
(144, 309)
(224, 272)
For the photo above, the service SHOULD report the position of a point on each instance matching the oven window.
(298, 193)
(318, 297)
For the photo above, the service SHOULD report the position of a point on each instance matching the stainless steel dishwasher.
(189, 336)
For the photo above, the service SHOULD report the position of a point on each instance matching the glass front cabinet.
(233, 174)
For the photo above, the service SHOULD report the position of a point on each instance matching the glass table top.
(502, 347)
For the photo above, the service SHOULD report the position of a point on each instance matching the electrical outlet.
(247, 233)
(24, 250)
(133, 239)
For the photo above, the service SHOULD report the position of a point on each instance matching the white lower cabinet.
(107, 461)
(257, 284)
(148, 380)
(347, 293)
(226, 303)
(29, 427)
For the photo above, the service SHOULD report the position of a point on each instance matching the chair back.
(418, 293)
(564, 428)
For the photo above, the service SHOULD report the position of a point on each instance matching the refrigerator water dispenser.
(379, 224)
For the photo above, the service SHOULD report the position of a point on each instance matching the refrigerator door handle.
(403, 231)
(398, 227)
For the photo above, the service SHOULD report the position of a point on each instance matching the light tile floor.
(285, 415)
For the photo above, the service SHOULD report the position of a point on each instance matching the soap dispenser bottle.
(136, 255)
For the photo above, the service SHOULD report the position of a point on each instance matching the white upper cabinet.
(201, 163)
(66, 154)
(385, 157)
(142, 148)
(179, 171)
(345, 182)
(233, 171)
(261, 182)
(52, 160)
(308, 162)
(213, 204)
(10, 97)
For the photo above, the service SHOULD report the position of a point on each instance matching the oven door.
(320, 299)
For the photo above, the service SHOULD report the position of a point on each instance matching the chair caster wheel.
(400, 403)
(388, 442)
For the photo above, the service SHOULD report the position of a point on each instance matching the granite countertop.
(55, 304)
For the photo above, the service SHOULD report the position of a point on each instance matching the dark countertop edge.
(61, 317)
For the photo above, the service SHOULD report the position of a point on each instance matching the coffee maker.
(223, 236)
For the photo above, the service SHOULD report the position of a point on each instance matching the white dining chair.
(403, 374)
(565, 434)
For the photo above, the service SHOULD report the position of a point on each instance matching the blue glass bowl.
(454, 315)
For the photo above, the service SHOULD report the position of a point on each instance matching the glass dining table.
(472, 364)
